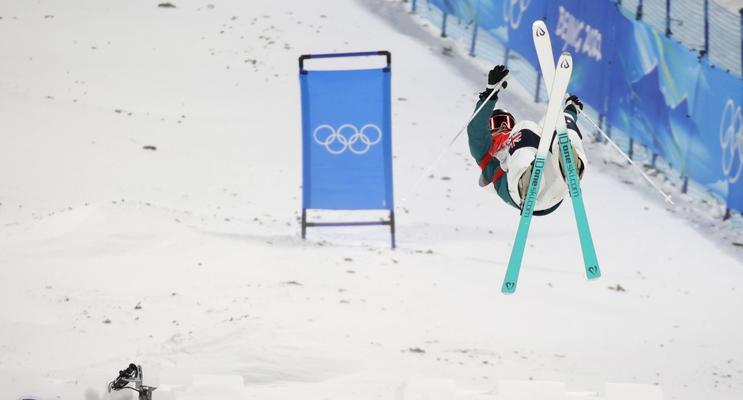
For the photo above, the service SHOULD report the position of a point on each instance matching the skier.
(505, 150)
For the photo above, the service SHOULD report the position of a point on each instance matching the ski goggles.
(501, 123)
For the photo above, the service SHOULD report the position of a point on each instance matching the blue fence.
(687, 22)
(640, 81)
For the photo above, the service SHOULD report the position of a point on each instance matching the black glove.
(497, 74)
(572, 104)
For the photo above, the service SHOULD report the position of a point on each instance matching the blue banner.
(652, 94)
(647, 85)
(490, 18)
(465, 10)
(584, 28)
(717, 153)
(346, 139)
(510, 21)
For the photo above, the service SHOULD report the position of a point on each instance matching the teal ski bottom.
(590, 261)
(519, 244)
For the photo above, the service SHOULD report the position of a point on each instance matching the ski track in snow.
(186, 258)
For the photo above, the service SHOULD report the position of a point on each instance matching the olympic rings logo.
(731, 140)
(347, 137)
(513, 11)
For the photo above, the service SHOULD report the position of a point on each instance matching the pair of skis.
(556, 79)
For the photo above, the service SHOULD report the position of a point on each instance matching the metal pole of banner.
(638, 16)
(727, 214)
(631, 147)
(304, 223)
(506, 56)
(392, 228)
(685, 187)
(608, 130)
(443, 25)
(668, 18)
(655, 158)
(475, 29)
(741, 40)
(706, 28)
(474, 41)
(607, 97)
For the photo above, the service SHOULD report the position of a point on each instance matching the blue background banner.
(583, 28)
(645, 84)
(346, 142)
(716, 153)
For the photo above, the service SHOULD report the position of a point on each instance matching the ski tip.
(593, 272)
(539, 28)
(565, 61)
(508, 287)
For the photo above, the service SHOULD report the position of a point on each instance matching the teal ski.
(554, 113)
(543, 45)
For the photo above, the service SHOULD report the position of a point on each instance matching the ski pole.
(500, 85)
(666, 196)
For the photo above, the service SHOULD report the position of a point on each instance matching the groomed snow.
(187, 259)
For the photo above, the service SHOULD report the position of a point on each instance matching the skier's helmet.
(501, 121)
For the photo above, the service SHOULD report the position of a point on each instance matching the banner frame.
(391, 220)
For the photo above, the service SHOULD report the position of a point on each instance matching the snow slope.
(187, 259)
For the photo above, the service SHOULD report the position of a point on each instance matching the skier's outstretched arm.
(477, 130)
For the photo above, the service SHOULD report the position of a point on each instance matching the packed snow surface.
(150, 172)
